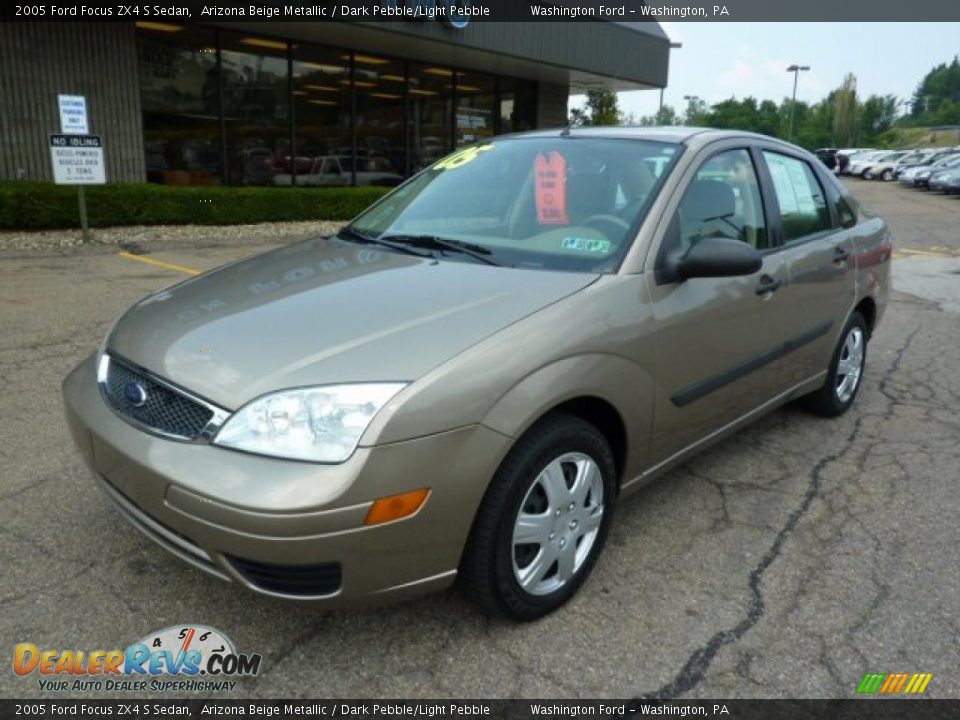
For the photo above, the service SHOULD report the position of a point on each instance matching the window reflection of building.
(431, 100)
(224, 106)
(321, 102)
(256, 108)
(380, 118)
(179, 96)
(475, 116)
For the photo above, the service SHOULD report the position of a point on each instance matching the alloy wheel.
(850, 365)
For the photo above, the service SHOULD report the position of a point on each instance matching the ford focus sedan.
(464, 380)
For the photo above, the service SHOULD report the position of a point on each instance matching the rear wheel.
(542, 522)
(845, 373)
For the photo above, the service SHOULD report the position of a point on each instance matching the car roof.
(663, 133)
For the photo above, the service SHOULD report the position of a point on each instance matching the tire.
(836, 396)
(563, 511)
(867, 175)
(887, 175)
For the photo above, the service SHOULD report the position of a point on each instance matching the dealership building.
(302, 103)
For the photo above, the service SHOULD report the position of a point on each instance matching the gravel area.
(168, 234)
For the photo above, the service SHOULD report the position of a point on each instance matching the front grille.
(300, 580)
(163, 409)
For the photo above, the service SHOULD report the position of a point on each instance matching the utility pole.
(795, 69)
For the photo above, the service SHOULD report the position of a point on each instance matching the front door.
(718, 340)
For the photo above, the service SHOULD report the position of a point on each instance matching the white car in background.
(861, 161)
(882, 167)
(845, 157)
(333, 170)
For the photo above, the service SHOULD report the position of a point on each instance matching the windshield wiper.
(350, 233)
(432, 242)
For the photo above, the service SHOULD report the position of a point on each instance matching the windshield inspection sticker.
(582, 244)
(550, 169)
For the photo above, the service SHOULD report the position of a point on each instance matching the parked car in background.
(328, 170)
(828, 156)
(949, 181)
(913, 159)
(881, 168)
(941, 180)
(861, 161)
(919, 176)
(465, 380)
(843, 158)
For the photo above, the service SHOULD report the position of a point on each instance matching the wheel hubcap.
(850, 366)
(558, 522)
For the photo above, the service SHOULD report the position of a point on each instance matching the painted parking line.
(160, 263)
(934, 252)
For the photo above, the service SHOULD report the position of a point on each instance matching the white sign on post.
(77, 159)
(73, 114)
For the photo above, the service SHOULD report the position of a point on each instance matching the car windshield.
(948, 161)
(558, 203)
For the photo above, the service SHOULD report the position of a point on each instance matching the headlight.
(320, 424)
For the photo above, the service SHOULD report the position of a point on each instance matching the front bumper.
(262, 522)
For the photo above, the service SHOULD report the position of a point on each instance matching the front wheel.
(845, 374)
(887, 175)
(542, 522)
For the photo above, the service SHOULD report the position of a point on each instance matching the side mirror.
(718, 257)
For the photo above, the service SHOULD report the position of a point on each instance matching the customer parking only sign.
(77, 159)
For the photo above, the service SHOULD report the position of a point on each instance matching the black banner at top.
(400, 709)
(458, 14)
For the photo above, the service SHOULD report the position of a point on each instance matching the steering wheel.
(602, 218)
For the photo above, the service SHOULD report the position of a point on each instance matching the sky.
(718, 60)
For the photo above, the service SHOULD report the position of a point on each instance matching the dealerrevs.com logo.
(176, 659)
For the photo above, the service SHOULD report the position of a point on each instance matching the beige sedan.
(464, 380)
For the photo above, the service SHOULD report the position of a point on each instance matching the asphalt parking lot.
(786, 562)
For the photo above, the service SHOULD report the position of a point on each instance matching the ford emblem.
(135, 393)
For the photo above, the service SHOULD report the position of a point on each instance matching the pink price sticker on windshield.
(551, 188)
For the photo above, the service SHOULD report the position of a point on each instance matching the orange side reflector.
(394, 507)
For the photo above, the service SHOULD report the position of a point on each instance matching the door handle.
(767, 285)
(840, 255)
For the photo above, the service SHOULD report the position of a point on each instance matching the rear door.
(819, 255)
(717, 339)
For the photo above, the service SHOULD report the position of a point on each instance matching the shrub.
(38, 206)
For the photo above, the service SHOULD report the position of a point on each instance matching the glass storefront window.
(322, 131)
(431, 99)
(380, 121)
(256, 108)
(475, 107)
(225, 106)
(179, 96)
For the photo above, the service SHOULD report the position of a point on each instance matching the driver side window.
(723, 200)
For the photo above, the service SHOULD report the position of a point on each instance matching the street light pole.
(691, 99)
(795, 69)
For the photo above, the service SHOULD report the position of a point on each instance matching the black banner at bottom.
(872, 709)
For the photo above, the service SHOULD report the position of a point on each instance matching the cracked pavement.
(787, 561)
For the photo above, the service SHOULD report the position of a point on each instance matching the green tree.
(877, 115)
(845, 113)
(601, 108)
(939, 86)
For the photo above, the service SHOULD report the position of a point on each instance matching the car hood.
(325, 311)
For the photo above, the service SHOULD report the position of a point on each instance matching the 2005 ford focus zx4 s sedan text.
(462, 382)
